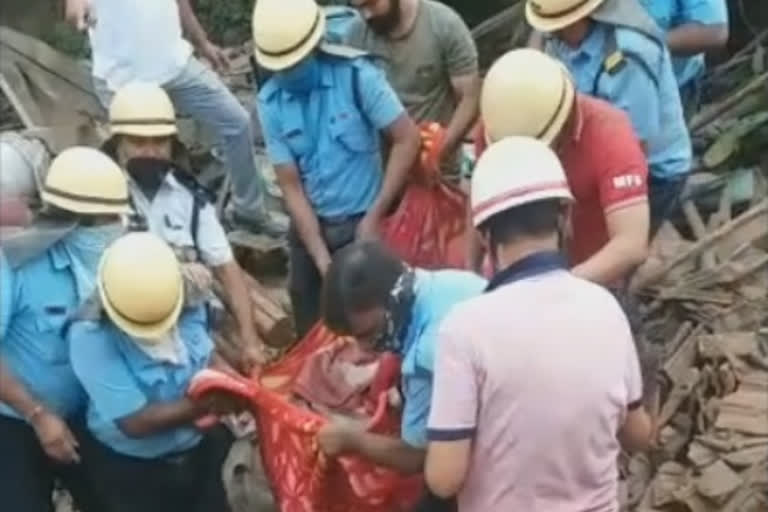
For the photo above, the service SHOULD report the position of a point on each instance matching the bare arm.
(466, 88)
(390, 452)
(405, 142)
(635, 434)
(694, 38)
(447, 465)
(626, 249)
(160, 417)
(303, 215)
(14, 394)
(192, 27)
(239, 301)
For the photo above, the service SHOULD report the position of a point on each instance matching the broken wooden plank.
(718, 482)
(679, 394)
(750, 225)
(745, 412)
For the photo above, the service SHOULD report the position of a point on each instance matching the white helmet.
(515, 171)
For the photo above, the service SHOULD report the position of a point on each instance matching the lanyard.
(534, 264)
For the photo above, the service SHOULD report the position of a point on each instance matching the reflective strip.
(85, 199)
(118, 122)
(558, 110)
(536, 8)
(518, 192)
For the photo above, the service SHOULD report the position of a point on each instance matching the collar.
(59, 258)
(532, 265)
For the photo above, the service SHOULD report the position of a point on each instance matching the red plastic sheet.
(428, 228)
(302, 478)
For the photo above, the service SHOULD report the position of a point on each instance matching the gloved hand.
(198, 281)
(432, 140)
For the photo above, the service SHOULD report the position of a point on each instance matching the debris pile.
(707, 307)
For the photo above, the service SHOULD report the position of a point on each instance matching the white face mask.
(169, 349)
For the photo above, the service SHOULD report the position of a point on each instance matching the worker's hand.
(221, 404)
(80, 14)
(56, 439)
(215, 55)
(338, 438)
(254, 358)
(368, 229)
(323, 262)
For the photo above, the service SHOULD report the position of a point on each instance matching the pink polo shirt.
(539, 374)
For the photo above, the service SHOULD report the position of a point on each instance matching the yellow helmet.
(143, 110)
(528, 93)
(515, 171)
(286, 31)
(553, 15)
(140, 285)
(85, 180)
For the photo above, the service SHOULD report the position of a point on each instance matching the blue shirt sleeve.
(380, 103)
(633, 90)
(278, 151)
(102, 371)
(707, 12)
(417, 391)
(6, 295)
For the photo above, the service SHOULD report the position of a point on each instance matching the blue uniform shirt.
(672, 14)
(332, 133)
(645, 88)
(436, 293)
(120, 379)
(36, 301)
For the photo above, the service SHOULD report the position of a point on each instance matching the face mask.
(398, 313)
(148, 173)
(301, 78)
(84, 246)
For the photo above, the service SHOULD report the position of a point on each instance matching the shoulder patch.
(614, 62)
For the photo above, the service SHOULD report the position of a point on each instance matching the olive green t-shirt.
(420, 65)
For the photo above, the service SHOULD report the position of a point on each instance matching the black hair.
(535, 219)
(360, 277)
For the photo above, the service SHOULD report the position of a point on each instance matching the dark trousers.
(190, 481)
(27, 475)
(305, 279)
(664, 200)
(431, 503)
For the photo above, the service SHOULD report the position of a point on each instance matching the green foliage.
(228, 22)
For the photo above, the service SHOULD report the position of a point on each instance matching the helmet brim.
(549, 24)
(273, 62)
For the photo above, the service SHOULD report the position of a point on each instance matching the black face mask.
(385, 23)
(148, 173)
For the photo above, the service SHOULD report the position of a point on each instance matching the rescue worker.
(603, 160)
(171, 202)
(537, 384)
(135, 352)
(431, 61)
(386, 305)
(615, 51)
(323, 112)
(693, 27)
(141, 41)
(40, 398)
